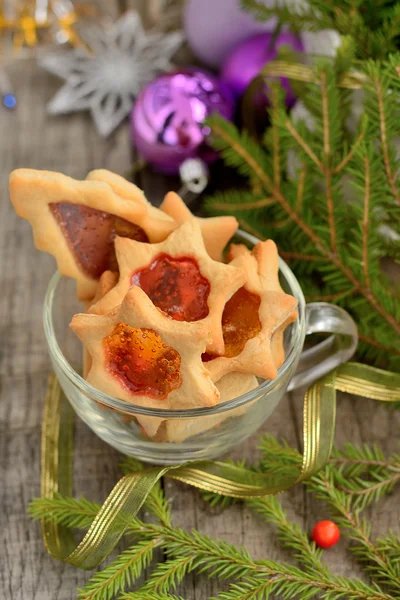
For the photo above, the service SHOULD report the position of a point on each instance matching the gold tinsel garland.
(32, 22)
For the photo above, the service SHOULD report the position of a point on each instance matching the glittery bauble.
(214, 27)
(248, 58)
(167, 121)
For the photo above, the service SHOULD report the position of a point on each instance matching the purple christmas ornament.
(167, 121)
(248, 58)
(214, 27)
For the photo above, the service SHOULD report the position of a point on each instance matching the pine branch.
(304, 18)
(390, 544)
(141, 594)
(371, 492)
(246, 590)
(289, 534)
(71, 512)
(122, 572)
(334, 245)
(326, 167)
(378, 564)
(384, 140)
(224, 561)
(373, 27)
(169, 574)
(355, 460)
(345, 467)
(219, 129)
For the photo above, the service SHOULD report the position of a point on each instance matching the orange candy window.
(240, 322)
(90, 234)
(176, 286)
(143, 363)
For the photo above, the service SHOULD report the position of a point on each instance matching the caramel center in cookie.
(176, 286)
(240, 322)
(90, 235)
(143, 363)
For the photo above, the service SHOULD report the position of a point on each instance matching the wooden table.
(30, 138)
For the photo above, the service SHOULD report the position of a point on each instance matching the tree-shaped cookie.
(77, 221)
(179, 277)
(252, 316)
(142, 356)
(156, 223)
(217, 231)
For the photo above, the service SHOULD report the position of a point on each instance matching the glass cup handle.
(339, 347)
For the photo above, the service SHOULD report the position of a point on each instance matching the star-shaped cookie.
(217, 231)
(180, 278)
(156, 223)
(230, 386)
(145, 358)
(107, 281)
(76, 222)
(270, 275)
(253, 315)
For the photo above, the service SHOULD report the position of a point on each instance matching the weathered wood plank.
(69, 144)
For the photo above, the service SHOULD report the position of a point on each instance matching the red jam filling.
(90, 234)
(142, 362)
(176, 286)
(240, 322)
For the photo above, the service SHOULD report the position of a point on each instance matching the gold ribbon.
(127, 497)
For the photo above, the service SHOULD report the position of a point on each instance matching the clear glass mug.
(201, 433)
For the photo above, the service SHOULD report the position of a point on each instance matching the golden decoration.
(29, 23)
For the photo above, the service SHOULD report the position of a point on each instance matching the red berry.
(326, 534)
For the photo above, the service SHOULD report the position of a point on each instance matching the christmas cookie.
(179, 277)
(230, 386)
(156, 223)
(216, 231)
(142, 356)
(76, 222)
(107, 281)
(269, 274)
(251, 317)
(271, 282)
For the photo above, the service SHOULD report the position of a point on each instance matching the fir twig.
(384, 139)
(142, 594)
(334, 245)
(365, 223)
(219, 130)
(390, 544)
(290, 534)
(378, 564)
(169, 574)
(373, 27)
(71, 512)
(225, 561)
(122, 572)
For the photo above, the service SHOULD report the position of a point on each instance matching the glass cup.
(200, 433)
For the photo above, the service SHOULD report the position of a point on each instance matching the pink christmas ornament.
(167, 121)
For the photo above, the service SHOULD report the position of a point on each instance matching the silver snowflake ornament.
(107, 77)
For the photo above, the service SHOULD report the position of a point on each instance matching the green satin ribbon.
(128, 496)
